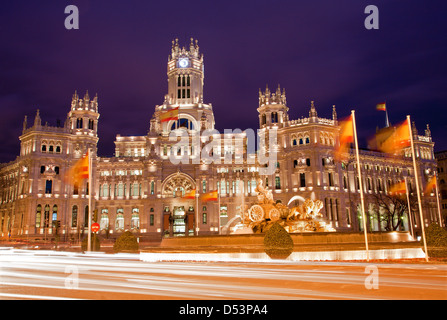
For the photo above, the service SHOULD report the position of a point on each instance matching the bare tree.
(391, 208)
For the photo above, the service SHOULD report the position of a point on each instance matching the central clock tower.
(185, 74)
(184, 100)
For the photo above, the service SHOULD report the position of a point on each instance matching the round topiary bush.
(96, 244)
(436, 240)
(278, 243)
(126, 242)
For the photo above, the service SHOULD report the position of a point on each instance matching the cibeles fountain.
(260, 216)
(242, 238)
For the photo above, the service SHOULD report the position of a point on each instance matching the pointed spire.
(25, 123)
(428, 131)
(334, 113)
(37, 120)
(313, 111)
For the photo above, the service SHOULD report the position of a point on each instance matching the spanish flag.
(398, 188)
(346, 137)
(169, 115)
(190, 195)
(381, 106)
(430, 186)
(79, 171)
(397, 140)
(210, 196)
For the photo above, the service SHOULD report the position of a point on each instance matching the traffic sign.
(95, 227)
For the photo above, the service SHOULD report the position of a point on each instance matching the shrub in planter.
(96, 244)
(126, 242)
(436, 241)
(278, 243)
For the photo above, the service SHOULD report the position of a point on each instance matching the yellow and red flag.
(169, 115)
(190, 195)
(398, 139)
(398, 188)
(381, 106)
(430, 185)
(210, 196)
(80, 170)
(346, 137)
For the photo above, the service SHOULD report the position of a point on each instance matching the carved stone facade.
(140, 188)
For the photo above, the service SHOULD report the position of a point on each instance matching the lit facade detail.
(140, 189)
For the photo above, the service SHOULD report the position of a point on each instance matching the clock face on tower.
(183, 63)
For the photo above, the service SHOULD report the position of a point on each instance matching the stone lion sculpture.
(308, 210)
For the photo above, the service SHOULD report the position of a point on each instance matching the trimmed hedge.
(278, 243)
(436, 241)
(126, 242)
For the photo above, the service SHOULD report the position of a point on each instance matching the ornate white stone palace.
(140, 188)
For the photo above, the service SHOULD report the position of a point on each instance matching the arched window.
(152, 187)
(277, 183)
(307, 140)
(58, 149)
(38, 215)
(74, 217)
(135, 221)
(182, 123)
(54, 218)
(79, 123)
(294, 143)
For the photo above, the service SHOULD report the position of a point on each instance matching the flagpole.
(196, 231)
(437, 200)
(90, 178)
(218, 206)
(409, 209)
(362, 202)
(416, 176)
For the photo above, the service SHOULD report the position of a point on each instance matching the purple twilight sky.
(316, 50)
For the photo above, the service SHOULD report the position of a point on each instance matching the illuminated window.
(135, 221)
(54, 218)
(38, 215)
(119, 222)
(74, 217)
(104, 221)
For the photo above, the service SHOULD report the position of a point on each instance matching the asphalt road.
(62, 275)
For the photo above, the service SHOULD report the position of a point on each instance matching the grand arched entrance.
(178, 211)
